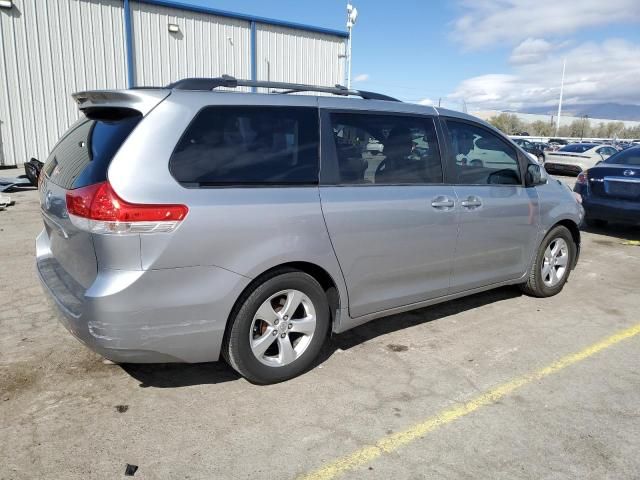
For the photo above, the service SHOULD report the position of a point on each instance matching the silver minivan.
(182, 223)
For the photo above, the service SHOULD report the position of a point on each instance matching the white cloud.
(596, 72)
(363, 77)
(531, 50)
(490, 22)
(426, 101)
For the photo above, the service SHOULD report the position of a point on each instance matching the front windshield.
(631, 156)
(577, 147)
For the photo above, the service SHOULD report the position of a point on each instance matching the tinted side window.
(630, 156)
(481, 157)
(248, 146)
(607, 151)
(83, 155)
(386, 149)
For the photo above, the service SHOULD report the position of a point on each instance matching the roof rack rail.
(228, 81)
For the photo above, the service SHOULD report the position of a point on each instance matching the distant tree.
(632, 133)
(508, 123)
(540, 129)
(579, 129)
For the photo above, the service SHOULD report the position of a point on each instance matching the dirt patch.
(394, 347)
(606, 243)
(18, 377)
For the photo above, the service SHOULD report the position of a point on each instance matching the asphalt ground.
(496, 385)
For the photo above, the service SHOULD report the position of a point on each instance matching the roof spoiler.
(142, 100)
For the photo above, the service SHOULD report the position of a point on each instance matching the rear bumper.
(152, 316)
(611, 209)
(552, 166)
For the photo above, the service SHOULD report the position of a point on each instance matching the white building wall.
(48, 50)
(52, 48)
(288, 55)
(205, 46)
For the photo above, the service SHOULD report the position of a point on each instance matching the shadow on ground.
(617, 230)
(174, 375)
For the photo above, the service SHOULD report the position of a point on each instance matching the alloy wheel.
(555, 263)
(282, 328)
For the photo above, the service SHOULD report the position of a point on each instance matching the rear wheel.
(552, 265)
(279, 328)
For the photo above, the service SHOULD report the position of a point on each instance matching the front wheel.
(278, 330)
(552, 265)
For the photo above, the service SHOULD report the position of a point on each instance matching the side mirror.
(535, 175)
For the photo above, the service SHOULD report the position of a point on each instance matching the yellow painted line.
(395, 441)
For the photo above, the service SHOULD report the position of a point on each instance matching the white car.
(577, 157)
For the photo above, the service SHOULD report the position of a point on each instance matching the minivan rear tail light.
(97, 209)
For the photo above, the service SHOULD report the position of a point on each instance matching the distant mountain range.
(611, 111)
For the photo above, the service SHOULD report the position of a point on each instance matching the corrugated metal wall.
(48, 50)
(288, 55)
(52, 48)
(206, 46)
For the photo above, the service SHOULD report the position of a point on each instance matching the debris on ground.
(32, 170)
(11, 183)
(130, 470)
(5, 201)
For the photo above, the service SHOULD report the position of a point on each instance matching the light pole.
(564, 64)
(352, 15)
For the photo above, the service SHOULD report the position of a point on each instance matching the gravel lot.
(66, 414)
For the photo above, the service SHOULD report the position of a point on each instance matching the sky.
(487, 54)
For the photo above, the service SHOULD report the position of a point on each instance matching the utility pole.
(584, 120)
(564, 64)
(352, 15)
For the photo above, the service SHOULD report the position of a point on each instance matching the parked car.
(182, 223)
(576, 157)
(611, 190)
(531, 148)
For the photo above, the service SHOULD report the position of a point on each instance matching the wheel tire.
(236, 347)
(595, 222)
(535, 285)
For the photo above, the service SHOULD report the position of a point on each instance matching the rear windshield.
(248, 146)
(578, 147)
(631, 156)
(83, 155)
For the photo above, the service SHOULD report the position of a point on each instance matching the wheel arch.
(320, 274)
(575, 234)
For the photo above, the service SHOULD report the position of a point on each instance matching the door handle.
(442, 203)
(471, 202)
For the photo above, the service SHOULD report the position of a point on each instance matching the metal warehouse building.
(52, 48)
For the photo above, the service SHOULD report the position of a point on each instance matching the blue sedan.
(611, 190)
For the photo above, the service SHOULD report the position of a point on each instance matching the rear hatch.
(80, 159)
(615, 181)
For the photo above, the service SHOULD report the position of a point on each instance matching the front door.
(498, 215)
(391, 219)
